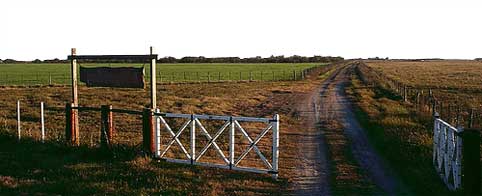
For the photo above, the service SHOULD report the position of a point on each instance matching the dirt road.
(329, 103)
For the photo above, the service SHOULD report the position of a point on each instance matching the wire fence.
(427, 101)
(45, 78)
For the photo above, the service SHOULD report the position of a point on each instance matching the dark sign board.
(122, 77)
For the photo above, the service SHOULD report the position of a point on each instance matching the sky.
(32, 29)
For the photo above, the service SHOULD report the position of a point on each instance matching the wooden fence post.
(107, 126)
(294, 75)
(69, 125)
(471, 161)
(75, 101)
(471, 118)
(405, 93)
(219, 76)
(250, 76)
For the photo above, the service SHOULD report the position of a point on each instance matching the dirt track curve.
(330, 102)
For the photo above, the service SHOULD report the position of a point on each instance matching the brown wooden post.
(146, 129)
(68, 123)
(471, 161)
(71, 135)
(75, 100)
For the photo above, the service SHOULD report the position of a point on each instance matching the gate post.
(471, 162)
(275, 146)
(148, 133)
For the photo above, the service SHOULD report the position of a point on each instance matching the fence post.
(273, 76)
(471, 118)
(209, 77)
(219, 76)
(240, 78)
(294, 75)
(147, 131)
(184, 76)
(261, 75)
(19, 132)
(50, 78)
(405, 93)
(471, 161)
(275, 145)
(193, 140)
(231, 144)
(250, 76)
(42, 121)
(70, 134)
(107, 126)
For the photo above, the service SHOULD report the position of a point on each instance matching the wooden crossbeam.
(112, 57)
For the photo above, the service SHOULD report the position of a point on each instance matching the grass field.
(33, 74)
(453, 80)
(399, 130)
(53, 168)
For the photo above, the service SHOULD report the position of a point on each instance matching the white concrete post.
(42, 121)
(18, 120)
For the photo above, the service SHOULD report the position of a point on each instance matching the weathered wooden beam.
(112, 57)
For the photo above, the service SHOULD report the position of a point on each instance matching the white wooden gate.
(231, 124)
(447, 153)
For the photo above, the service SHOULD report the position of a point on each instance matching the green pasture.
(41, 74)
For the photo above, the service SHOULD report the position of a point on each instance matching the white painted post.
(158, 134)
(231, 144)
(42, 121)
(153, 80)
(18, 120)
(193, 139)
(275, 146)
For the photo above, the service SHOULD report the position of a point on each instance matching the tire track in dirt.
(336, 106)
(314, 169)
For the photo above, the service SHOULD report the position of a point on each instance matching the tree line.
(202, 59)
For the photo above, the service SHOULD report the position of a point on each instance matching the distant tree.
(37, 61)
